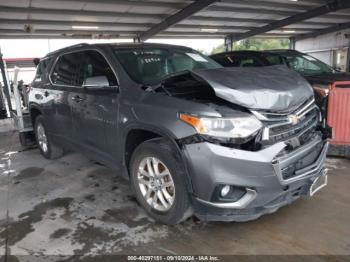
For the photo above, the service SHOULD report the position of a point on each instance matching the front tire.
(158, 179)
(48, 149)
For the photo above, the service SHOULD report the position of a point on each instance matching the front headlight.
(236, 127)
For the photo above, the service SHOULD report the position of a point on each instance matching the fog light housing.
(228, 193)
(225, 190)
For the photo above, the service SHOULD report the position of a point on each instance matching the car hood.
(271, 88)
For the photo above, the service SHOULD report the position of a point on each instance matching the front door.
(95, 105)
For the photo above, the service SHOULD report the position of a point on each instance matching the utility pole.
(228, 43)
(292, 41)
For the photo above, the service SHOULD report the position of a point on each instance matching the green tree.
(218, 49)
(255, 44)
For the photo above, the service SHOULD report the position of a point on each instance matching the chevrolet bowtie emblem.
(294, 119)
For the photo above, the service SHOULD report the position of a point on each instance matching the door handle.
(77, 98)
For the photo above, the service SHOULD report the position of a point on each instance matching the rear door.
(63, 79)
(41, 93)
(95, 107)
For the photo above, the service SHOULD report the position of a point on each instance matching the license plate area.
(319, 183)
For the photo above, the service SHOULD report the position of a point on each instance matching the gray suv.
(192, 137)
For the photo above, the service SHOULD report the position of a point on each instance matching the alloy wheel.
(156, 184)
(42, 138)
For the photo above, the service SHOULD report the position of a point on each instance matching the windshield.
(148, 66)
(303, 64)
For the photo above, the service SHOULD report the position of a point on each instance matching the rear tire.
(47, 148)
(169, 187)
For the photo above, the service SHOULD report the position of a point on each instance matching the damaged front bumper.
(270, 179)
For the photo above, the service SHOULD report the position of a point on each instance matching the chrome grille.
(305, 151)
(280, 127)
(284, 132)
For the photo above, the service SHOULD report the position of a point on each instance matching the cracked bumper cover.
(259, 172)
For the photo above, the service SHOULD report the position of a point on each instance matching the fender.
(35, 106)
(161, 133)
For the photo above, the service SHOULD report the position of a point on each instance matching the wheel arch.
(34, 113)
(137, 135)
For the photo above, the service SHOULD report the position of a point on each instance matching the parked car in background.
(320, 75)
(315, 71)
(244, 59)
(190, 135)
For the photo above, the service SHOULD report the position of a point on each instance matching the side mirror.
(337, 69)
(96, 82)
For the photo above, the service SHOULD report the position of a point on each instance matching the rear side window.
(66, 69)
(95, 65)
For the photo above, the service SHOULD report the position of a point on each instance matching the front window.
(147, 66)
(95, 65)
(307, 65)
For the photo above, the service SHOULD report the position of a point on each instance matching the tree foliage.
(255, 44)
(218, 49)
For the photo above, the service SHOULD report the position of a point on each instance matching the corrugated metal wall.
(338, 116)
(324, 47)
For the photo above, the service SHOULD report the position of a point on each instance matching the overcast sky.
(17, 48)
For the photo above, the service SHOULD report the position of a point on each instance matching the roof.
(142, 19)
(118, 45)
(247, 52)
(283, 51)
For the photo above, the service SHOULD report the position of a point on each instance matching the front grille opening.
(304, 161)
(286, 188)
(297, 192)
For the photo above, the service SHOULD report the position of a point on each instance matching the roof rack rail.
(68, 47)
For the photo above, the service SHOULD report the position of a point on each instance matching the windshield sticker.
(197, 57)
